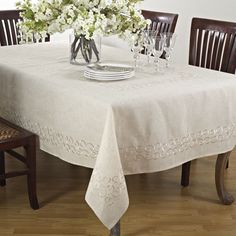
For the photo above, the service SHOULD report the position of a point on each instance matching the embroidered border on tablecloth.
(85, 149)
(48, 135)
(179, 145)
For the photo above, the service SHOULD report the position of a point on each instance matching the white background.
(215, 9)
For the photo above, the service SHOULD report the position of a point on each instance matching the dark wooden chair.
(11, 137)
(212, 46)
(9, 33)
(161, 21)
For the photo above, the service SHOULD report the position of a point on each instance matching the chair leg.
(227, 165)
(31, 177)
(2, 168)
(115, 231)
(185, 174)
(225, 197)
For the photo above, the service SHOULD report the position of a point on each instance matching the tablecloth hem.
(145, 171)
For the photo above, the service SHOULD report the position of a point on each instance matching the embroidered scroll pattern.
(50, 136)
(179, 145)
(108, 188)
(84, 149)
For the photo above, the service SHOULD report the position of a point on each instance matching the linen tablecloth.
(149, 123)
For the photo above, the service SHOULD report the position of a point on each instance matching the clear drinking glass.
(148, 42)
(158, 49)
(170, 39)
(137, 47)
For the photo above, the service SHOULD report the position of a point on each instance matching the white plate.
(107, 74)
(110, 76)
(105, 78)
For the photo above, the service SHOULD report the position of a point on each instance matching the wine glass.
(136, 47)
(148, 42)
(159, 43)
(170, 39)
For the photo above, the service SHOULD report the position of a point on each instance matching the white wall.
(217, 9)
(7, 4)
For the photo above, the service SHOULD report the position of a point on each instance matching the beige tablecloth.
(149, 123)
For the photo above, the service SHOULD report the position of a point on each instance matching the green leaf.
(29, 14)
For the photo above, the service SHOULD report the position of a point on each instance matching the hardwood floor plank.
(158, 204)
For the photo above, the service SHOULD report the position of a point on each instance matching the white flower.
(85, 17)
(39, 16)
(108, 2)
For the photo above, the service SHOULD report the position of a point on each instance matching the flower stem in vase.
(87, 47)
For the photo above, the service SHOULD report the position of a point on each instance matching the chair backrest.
(161, 21)
(213, 44)
(9, 33)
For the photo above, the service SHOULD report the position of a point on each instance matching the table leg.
(185, 174)
(221, 162)
(115, 231)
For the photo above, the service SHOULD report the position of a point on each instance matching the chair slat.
(158, 26)
(199, 47)
(220, 51)
(13, 32)
(193, 44)
(3, 40)
(215, 50)
(209, 50)
(9, 41)
(227, 52)
(204, 49)
(166, 27)
(162, 29)
(232, 64)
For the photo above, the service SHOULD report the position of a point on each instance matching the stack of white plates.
(108, 72)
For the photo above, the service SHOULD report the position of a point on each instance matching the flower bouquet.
(87, 18)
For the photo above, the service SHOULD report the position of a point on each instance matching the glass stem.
(145, 51)
(167, 63)
(156, 64)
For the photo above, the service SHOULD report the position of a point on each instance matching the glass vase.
(84, 51)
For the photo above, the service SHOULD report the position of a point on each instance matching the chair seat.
(12, 136)
(7, 132)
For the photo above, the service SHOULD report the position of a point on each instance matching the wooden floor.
(158, 204)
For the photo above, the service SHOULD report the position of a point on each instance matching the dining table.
(151, 122)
